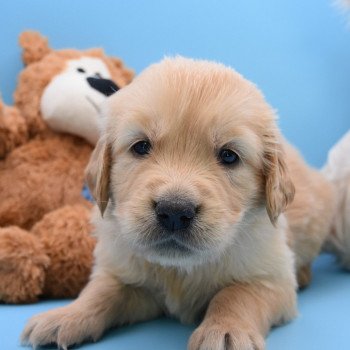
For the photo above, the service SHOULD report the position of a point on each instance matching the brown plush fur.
(40, 185)
(41, 176)
(21, 255)
(67, 251)
(13, 129)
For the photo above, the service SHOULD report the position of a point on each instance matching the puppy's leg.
(239, 316)
(304, 276)
(104, 303)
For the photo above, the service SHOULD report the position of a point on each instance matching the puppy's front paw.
(212, 336)
(64, 326)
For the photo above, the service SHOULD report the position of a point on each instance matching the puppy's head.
(190, 148)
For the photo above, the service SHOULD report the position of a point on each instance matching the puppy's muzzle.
(175, 214)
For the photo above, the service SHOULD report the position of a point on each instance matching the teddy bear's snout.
(104, 86)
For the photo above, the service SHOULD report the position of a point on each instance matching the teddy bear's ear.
(127, 74)
(34, 45)
(95, 52)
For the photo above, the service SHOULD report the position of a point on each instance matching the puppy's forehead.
(181, 95)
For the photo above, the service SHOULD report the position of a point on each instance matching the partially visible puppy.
(191, 177)
(344, 3)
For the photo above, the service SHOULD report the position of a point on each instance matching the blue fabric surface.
(87, 194)
(322, 324)
(298, 53)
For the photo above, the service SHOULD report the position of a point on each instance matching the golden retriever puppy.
(191, 176)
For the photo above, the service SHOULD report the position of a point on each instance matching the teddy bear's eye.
(81, 70)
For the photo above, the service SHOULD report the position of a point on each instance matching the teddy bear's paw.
(219, 337)
(23, 265)
(65, 326)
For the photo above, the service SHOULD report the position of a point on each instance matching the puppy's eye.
(81, 70)
(141, 148)
(228, 157)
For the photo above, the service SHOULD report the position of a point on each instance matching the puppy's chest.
(184, 297)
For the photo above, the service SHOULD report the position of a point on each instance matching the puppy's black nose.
(104, 86)
(175, 215)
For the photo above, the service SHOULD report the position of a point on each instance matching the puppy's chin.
(169, 253)
(177, 249)
(179, 257)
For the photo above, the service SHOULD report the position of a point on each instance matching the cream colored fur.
(337, 171)
(238, 266)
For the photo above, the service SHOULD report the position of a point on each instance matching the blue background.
(298, 53)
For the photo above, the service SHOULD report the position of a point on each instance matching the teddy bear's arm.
(13, 129)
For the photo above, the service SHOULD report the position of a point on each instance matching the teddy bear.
(46, 140)
(13, 129)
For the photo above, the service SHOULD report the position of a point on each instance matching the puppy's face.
(190, 149)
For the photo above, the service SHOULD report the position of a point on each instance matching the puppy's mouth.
(171, 243)
(163, 242)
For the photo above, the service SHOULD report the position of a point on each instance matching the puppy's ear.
(279, 189)
(97, 173)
